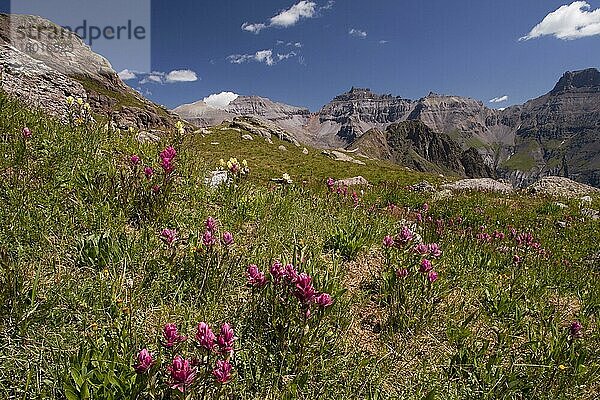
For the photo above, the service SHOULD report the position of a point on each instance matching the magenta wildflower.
(155, 189)
(434, 250)
(404, 237)
(388, 241)
(402, 273)
(324, 300)
(144, 363)
(172, 336)
(304, 290)
(421, 249)
(168, 154)
(208, 239)
(134, 159)
(255, 277)
(26, 133)
(330, 183)
(167, 166)
(149, 172)
(419, 217)
(291, 274)
(222, 372)
(225, 339)
(426, 266)
(425, 207)
(169, 236)
(211, 224)
(182, 374)
(205, 336)
(432, 276)
(575, 329)
(227, 238)
(277, 271)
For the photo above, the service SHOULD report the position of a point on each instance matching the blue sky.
(407, 48)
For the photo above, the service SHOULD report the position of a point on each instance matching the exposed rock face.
(414, 144)
(43, 79)
(558, 133)
(351, 114)
(561, 187)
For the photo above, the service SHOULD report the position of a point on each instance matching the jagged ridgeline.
(555, 134)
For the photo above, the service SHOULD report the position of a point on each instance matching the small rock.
(561, 205)
(590, 213)
(561, 224)
(215, 143)
(442, 195)
(282, 148)
(217, 178)
(424, 186)
(356, 181)
(268, 140)
(305, 151)
(144, 137)
(247, 137)
(586, 200)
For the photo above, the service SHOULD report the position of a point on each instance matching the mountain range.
(555, 134)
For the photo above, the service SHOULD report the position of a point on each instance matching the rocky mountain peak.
(584, 79)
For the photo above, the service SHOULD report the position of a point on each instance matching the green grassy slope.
(86, 282)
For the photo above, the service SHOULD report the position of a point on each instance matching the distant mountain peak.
(586, 78)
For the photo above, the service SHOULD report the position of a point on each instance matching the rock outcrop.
(561, 187)
(480, 185)
(43, 79)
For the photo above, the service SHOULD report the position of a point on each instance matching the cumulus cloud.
(220, 100)
(126, 75)
(357, 33)
(266, 57)
(175, 76)
(568, 22)
(499, 99)
(181, 75)
(284, 19)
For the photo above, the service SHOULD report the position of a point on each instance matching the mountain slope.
(45, 79)
(414, 144)
(559, 132)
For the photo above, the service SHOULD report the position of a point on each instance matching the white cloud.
(220, 100)
(302, 10)
(383, 42)
(568, 22)
(281, 57)
(178, 75)
(329, 5)
(499, 99)
(291, 16)
(263, 56)
(357, 33)
(181, 75)
(126, 75)
(254, 28)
